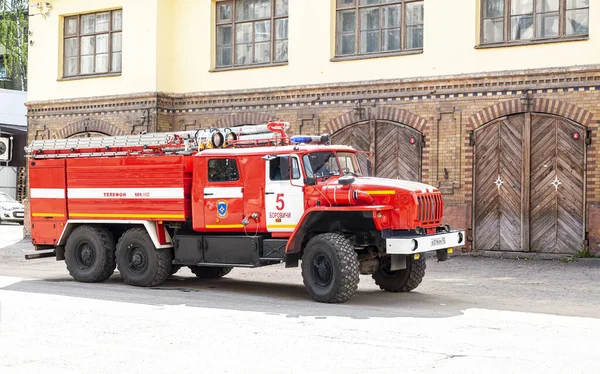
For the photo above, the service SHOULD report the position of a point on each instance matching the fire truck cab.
(216, 199)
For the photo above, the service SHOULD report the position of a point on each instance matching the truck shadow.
(291, 300)
(294, 300)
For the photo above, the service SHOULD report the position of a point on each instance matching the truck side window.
(223, 170)
(280, 168)
(307, 167)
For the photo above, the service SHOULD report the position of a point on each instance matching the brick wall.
(444, 109)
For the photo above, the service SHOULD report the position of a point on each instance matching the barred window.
(251, 32)
(378, 26)
(505, 21)
(93, 43)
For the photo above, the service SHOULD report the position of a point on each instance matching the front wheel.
(404, 280)
(330, 268)
(140, 262)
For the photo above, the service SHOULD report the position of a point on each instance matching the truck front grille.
(430, 208)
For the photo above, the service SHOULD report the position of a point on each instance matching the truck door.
(48, 204)
(223, 195)
(284, 193)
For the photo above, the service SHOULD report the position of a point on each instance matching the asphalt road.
(469, 315)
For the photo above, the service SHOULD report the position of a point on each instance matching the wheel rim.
(85, 255)
(322, 270)
(137, 260)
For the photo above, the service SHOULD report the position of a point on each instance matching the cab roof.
(259, 151)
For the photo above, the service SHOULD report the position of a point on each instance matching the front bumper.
(408, 245)
(12, 215)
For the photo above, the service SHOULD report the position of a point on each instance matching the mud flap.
(398, 262)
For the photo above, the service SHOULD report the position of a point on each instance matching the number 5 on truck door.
(284, 195)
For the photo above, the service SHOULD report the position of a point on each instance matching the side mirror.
(310, 181)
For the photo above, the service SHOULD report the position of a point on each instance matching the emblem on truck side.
(222, 209)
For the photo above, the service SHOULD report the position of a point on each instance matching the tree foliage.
(14, 26)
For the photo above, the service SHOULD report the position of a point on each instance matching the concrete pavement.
(469, 315)
(10, 233)
(58, 334)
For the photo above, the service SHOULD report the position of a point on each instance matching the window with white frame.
(93, 44)
(251, 32)
(378, 26)
(509, 21)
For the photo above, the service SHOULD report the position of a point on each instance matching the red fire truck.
(215, 199)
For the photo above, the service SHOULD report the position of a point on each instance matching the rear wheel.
(90, 254)
(140, 262)
(403, 280)
(330, 268)
(209, 272)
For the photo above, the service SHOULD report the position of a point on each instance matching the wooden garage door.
(557, 185)
(529, 185)
(498, 169)
(394, 156)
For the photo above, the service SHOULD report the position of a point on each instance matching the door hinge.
(588, 137)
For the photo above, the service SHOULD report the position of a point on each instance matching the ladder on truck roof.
(183, 142)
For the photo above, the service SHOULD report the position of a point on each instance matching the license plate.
(438, 241)
(19, 215)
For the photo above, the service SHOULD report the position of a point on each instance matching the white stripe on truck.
(223, 193)
(125, 193)
(47, 193)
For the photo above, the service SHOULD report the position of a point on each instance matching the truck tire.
(140, 262)
(330, 268)
(209, 272)
(404, 280)
(90, 254)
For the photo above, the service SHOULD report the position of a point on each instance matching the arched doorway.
(529, 184)
(396, 148)
(88, 134)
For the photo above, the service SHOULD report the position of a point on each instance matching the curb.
(526, 256)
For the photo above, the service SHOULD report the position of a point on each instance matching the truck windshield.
(323, 164)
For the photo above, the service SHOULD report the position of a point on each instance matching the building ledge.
(91, 76)
(247, 67)
(522, 43)
(376, 55)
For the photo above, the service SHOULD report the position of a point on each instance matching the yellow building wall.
(165, 35)
(139, 51)
(168, 46)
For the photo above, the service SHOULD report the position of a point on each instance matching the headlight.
(414, 245)
(7, 209)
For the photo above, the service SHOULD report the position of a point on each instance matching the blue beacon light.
(310, 139)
